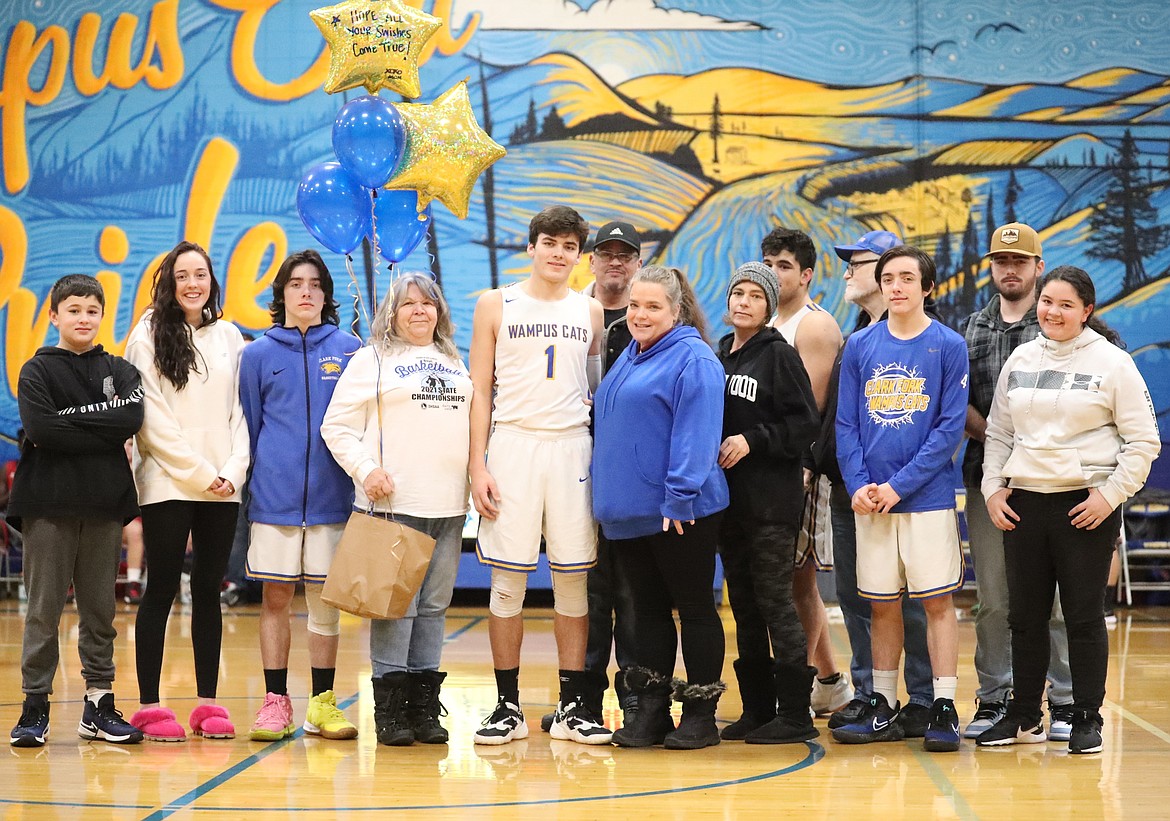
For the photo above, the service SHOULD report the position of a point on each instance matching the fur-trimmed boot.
(423, 707)
(651, 722)
(390, 710)
(757, 691)
(697, 728)
(793, 722)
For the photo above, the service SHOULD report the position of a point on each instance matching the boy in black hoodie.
(72, 493)
(769, 420)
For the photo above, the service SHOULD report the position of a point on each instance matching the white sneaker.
(506, 723)
(829, 698)
(986, 716)
(573, 722)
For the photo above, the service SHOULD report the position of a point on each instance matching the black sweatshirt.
(77, 410)
(768, 399)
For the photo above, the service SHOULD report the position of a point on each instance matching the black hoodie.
(768, 399)
(77, 410)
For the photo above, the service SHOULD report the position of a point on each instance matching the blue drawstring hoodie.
(659, 423)
(286, 382)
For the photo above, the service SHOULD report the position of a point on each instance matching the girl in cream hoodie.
(192, 460)
(1071, 435)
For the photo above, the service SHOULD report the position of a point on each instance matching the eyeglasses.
(625, 257)
(854, 267)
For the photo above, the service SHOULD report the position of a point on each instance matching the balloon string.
(430, 253)
(377, 255)
(359, 305)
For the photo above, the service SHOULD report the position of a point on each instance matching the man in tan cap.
(1008, 320)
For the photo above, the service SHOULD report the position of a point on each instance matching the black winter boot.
(697, 728)
(651, 721)
(390, 710)
(423, 707)
(757, 691)
(793, 721)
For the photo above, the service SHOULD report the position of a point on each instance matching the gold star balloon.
(446, 151)
(374, 44)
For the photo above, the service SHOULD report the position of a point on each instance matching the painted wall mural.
(128, 126)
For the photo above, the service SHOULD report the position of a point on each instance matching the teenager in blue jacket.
(658, 492)
(299, 499)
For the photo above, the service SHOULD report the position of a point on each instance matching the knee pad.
(323, 619)
(507, 596)
(571, 594)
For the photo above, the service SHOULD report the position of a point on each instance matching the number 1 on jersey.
(551, 353)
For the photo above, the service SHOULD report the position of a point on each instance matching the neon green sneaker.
(323, 718)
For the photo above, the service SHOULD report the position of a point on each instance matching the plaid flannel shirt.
(990, 341)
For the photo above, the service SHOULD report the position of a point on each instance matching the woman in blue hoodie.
(299, 498)
(657, 493)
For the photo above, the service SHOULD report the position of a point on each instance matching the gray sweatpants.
(57, 553)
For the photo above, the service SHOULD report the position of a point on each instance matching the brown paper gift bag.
(378, 568)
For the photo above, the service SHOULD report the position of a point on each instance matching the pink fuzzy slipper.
(212, 721)
(158, 724)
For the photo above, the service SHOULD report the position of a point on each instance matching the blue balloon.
(334, 207)
(369, 138)
(398, 225)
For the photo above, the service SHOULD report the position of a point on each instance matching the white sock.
(945, 686)
(885, 683)
(94, 695)
(133, 574)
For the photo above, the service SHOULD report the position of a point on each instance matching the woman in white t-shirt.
(410, 467)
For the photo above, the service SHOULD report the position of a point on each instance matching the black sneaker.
(103, 722)
(914, 718)
(1086, 733)
(546, 721)
(506, 723)
(877, 722)
(33, 727)
(575, 722)
(133, 593)
(1013, 729)
(987, 715)
(850, 713)
(942, 728)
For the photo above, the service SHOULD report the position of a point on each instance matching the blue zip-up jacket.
(659, 423)
(286, 382)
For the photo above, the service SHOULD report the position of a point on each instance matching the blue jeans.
(856, 611)
(993, 641)
(415, 642)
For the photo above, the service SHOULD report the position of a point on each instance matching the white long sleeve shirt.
(191, 437)
(426, 412)
(1070, 415)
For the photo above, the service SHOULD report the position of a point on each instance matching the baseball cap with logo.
(876, 242)
(1015, 238)
(621, 232)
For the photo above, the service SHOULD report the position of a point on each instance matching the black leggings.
(758, 561)
(1045, 551)
(664, 571)
(165, 526)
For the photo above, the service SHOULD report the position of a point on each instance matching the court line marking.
(942, 782)
(1153, 730)
(815, 753)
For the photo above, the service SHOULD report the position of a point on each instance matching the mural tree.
(1125, 225)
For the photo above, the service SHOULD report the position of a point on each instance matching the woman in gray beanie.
(769, 420)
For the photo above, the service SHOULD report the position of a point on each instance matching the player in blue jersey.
(900, 417)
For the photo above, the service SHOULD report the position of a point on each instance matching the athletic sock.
(833, 679)
(276, 681)
(133, 574)
(323, 679)
(945, 686)
(93, 695)
(508, 685)
(572, 685)
(885, 682)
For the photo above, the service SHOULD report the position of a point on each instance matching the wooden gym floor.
(540, 778)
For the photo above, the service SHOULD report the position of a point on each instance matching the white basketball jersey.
(788, 329)
(541, 383)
